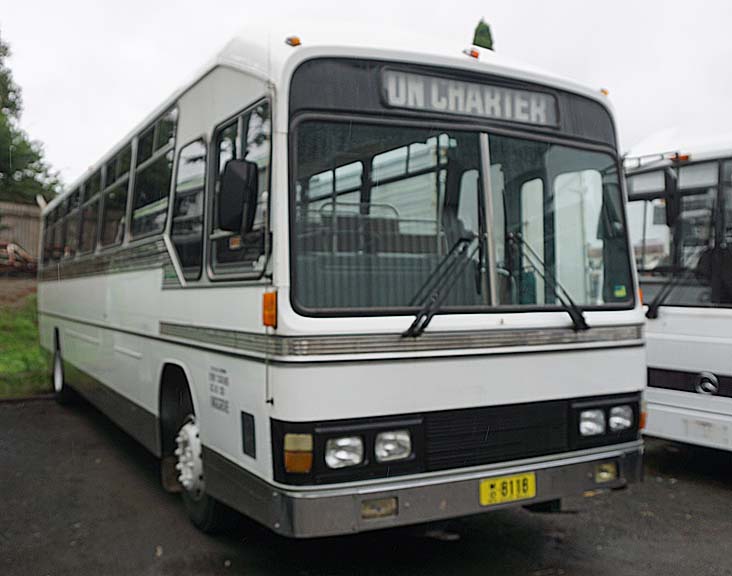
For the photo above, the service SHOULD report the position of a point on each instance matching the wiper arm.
(670, 284)
(441, 280)
(569, 305)
(665, 292)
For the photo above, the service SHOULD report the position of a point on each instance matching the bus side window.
(247, 138)
(187, 228)
(153, 175)
(114, 198)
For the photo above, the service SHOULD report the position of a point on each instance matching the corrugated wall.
(21, 223)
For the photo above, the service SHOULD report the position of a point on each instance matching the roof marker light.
(472, 52)
(604, 91)
(293, 41)
(680, 157)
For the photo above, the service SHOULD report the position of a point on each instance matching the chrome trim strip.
(125, 259)
(307, 346)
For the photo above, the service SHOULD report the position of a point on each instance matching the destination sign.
(435, 94)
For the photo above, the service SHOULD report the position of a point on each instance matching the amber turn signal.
(298, 453)
(269, 309)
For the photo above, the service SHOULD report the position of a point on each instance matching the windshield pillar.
(488, 215)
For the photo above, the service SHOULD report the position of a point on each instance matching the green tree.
(483, 37)
(23, 171)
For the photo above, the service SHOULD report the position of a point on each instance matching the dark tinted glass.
(113, 221)
(93, 185)
(165, 130)
(71, 240)
(89, 219)
(145, 145)
(152, 188)
(110, 172)
(187, 228)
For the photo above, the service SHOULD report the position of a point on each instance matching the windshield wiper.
(569, 305)
(665, 291)
(441, 280)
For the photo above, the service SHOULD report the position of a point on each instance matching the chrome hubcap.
(58, 374)
(190, 461)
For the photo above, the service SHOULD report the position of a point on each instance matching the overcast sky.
(91, 70)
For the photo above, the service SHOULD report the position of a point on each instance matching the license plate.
(507, 489)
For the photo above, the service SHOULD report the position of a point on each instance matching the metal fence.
(21, 223)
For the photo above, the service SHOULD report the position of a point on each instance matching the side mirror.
(238, 196)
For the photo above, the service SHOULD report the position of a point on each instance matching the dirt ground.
(13, 291)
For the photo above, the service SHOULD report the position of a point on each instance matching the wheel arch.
(176, 395)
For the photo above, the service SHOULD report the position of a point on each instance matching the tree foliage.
(483, 36)
(23, 171)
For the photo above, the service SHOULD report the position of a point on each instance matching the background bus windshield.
(378, 207)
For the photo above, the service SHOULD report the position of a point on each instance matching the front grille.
(460, 438)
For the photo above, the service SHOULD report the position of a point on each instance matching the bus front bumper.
(306, 513)
(690, 425)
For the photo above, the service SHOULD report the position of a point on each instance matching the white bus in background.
(341, 288)
(680, 216)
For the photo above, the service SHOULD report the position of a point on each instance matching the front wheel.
(206, 513)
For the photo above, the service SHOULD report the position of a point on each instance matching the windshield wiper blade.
(441, 280)
(665, 292)
(568, 304)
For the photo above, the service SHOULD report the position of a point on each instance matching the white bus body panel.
(690, 340)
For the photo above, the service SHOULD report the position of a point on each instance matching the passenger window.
(145, 145)
(90, 214)
(187, 227)
(71, 224)
(153, 175)
(236, 253)
(89, 221)
(152, 188)
(113, 218)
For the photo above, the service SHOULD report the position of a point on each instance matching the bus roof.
(661, 147)
(270, 57)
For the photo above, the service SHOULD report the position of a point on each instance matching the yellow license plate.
(507, 489)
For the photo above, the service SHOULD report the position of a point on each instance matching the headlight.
(621, 418)
(592, 422)
(343, 452)
(390, 446)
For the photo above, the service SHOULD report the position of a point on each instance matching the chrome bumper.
(301, 513)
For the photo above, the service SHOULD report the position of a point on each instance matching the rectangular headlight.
(344, 452)
(390, 446)
(592, 422)
(621, 418)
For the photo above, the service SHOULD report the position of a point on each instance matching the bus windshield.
(682, 234)
(377, 207)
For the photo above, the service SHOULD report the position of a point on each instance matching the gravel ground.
(81, 498)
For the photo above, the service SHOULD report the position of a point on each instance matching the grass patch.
(23, 366)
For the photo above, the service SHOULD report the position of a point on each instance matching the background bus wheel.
(206, 513)
(61, 392)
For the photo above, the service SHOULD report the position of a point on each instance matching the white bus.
(340, 289)
(680, 216)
